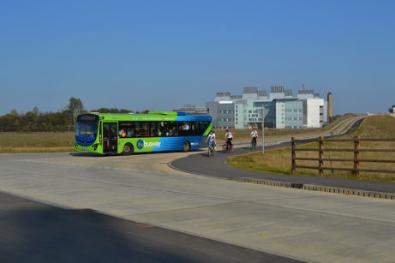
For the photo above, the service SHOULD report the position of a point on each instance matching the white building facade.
(278, 109)
(315, 113)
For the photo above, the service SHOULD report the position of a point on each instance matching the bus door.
(110, 137)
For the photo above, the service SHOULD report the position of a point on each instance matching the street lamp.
(263, 130)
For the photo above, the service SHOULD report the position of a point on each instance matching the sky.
(161, 54)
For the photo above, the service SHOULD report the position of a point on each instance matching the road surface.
(302, 225)
(34, 232)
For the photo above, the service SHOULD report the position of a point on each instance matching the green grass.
(279, 160)
(377, 127)
(36, 141)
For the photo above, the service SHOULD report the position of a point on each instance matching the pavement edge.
(309, 187)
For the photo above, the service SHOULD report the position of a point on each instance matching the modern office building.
(278, 108)
(191, 108)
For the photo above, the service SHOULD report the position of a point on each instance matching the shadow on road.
(78, 154)
(34, 232)
(75, 154)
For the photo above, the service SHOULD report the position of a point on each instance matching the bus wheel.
(128, 149)
(187, 147)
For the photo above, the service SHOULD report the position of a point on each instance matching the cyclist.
(228, 138)
(254, 136)
(211, 142)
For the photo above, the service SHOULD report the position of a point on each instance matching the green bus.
(128, 133)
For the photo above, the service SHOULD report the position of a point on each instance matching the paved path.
(34, 232)
(303, 225)
(216, 167)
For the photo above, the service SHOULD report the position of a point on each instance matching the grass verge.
(12, 142)
(35, 149)
(279, 160)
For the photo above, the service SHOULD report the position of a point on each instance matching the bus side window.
(154, 129)
(203, 125)
(145, 129)
(162, 128)
(195, 128)
(137, 129)
(126, 129)
(171, 129)
(184, 128)
(141, 129)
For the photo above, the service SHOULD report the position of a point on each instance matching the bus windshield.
(86, 128)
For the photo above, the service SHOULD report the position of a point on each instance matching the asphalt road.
(302, 225)
(35, 232)
(216, 167)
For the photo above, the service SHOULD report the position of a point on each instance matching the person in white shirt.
(211, 139)
(254, 136)
(228, 138)
(211, 143)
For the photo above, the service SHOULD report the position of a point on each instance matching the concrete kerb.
(321, 188)
(348, 191)
(309, 187)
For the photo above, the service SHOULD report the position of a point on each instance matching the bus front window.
(86, 132)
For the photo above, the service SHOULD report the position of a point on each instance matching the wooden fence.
(356, 160)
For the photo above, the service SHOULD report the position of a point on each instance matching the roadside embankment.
(279, 160)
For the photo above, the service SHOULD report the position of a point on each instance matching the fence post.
(320, 153)
(293, 155)
(356, 156)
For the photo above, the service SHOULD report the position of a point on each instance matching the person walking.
(254, 136)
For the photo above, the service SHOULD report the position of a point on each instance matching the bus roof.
(152, 116)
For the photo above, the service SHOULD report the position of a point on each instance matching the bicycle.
(253, 144)
(229, 145)
(211, 149)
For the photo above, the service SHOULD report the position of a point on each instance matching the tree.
(13, 112)
(36, 111)
(111, 110)
(75, 106)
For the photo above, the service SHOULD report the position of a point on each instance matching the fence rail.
(356, 160)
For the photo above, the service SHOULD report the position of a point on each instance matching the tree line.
(36, 121)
